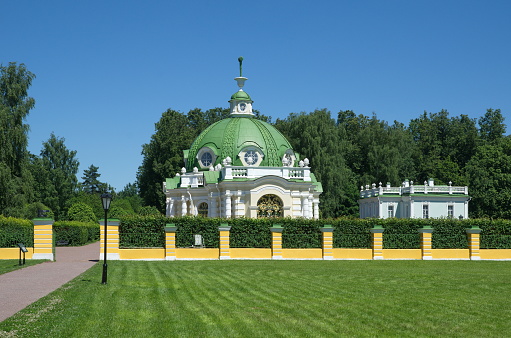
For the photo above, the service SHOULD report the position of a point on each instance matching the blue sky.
(107, 70)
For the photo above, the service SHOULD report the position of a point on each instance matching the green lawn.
(276, 298)
(7, 265)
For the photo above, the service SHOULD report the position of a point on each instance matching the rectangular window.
(390, 211)
(450, 211)
(425, 211)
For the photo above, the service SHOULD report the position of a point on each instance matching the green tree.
(91, 184)
(15, 179)
(81, 212)
(61, 166)
(317, 138)
(489, 176)
(163, 156)
(444, 146)
(491, 125)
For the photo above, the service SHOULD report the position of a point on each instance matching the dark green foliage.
(250, 233)
(190, 226)
(301, 233)
(91, 184)
(316, 137)
(448, 233)
(92, 200)
(149, 211)
(495, 234)
(81, 212)
(76, 233)
(14, 231)
(142, 232)
(16, 181)
(148, 231)
(352, 232)
(400, 233)
(59, 167)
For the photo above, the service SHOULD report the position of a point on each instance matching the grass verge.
(8, 265)
(276, 298)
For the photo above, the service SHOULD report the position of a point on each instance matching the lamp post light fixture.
(106, 198)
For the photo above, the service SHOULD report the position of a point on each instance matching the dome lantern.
(241, 103)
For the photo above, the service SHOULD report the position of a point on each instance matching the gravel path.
(20, 288)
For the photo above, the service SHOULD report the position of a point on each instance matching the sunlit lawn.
(276, 298)
(7, 265)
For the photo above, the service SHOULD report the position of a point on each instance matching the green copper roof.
(211, 177)
(241, 95)
(230, 136)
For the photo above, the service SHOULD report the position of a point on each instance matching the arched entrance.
(203, 209)
(270, 206)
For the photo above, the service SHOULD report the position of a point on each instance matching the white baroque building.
(414, 201)
(242, 167)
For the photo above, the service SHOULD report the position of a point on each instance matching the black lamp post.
(105, 199)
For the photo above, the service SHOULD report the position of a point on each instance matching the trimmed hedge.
(14, 231)
(76, 233)
(142, 231)
(148, 231)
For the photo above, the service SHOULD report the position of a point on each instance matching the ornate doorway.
(270, 206)
(203, 209)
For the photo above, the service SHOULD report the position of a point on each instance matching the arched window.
(203, 209)
(270, 206)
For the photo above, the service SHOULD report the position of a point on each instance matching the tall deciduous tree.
(163, 156)
(15, 178)
(61, 166)
(317, 137)
(492, 125)
(489, 175)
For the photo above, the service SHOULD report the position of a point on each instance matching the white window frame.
(390, 211)
(259, 153)
(450, 207)
(425, 211)
(199, 157)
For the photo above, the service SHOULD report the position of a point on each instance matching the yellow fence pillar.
(426, 237)
(377, 233)
(225, 248)
(170, 242)
(43, 238)
(276, 241)
(473, 242)
(328, 242)
(112, 239)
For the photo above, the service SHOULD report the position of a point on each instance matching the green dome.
(241, 95)
(230, 136)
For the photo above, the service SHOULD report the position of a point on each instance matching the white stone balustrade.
(192, 180)
(408, 189)
(230, 172)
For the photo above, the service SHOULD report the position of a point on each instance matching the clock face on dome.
(243, 106)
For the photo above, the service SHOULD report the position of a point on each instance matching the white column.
(465, 216)
(212, 212)
(316, 208)
(411, 209)
(305, 206)
(310, 207)
(240, 207)
(228, 204)
(183, 205)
